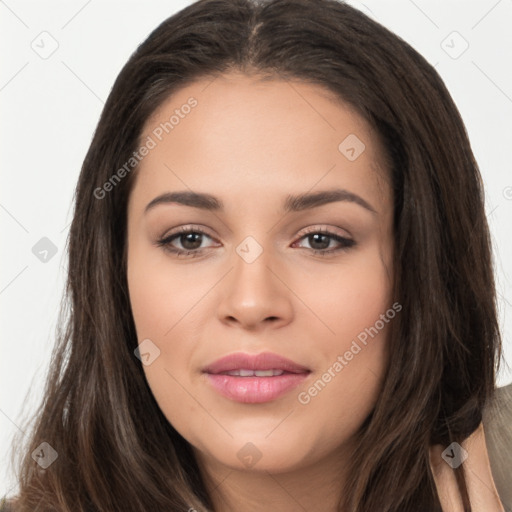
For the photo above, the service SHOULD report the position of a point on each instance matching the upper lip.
(262, 361)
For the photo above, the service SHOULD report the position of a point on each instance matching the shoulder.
(497, 422)
(472, 452)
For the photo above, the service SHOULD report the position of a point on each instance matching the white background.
(50, 107)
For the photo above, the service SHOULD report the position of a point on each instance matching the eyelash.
(166, 241)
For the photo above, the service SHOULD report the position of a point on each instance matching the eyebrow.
(292, 203)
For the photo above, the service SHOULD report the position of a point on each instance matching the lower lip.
(254, 390)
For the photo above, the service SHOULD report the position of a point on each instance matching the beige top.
(487, 464)
(498, 436)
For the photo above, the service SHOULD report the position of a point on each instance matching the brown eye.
(321, 240)
(189, 238)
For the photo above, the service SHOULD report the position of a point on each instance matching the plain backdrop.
(59, 61)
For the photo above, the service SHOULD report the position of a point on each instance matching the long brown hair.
(116, 450)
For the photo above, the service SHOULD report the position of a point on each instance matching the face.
(252, 272)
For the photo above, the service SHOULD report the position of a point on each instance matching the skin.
(251, 143)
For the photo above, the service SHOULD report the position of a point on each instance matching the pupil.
(315, 240)
(194, 243)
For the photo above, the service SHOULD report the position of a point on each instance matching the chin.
(259, 453)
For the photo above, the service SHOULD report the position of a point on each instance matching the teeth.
(254, 373)
(267, 373)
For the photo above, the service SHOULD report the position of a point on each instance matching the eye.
(320, 240)
(191, 237)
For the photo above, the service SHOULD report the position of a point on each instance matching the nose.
(254, 294)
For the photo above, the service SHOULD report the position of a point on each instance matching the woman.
(256, 368)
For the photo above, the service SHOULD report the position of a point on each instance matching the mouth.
(248, 365)
(254, 373)
(249, 378)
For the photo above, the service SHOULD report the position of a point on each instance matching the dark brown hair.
(116, 450)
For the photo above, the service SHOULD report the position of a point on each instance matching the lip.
(262, 361)
(254, 389)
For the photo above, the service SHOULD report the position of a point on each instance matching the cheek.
(357, 312)
(347, 300)
(346, 388)
(160, 295)
(162, 303)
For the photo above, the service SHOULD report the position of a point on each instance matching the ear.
(477, 470)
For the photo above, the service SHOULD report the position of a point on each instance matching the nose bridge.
(253, 292)
(252, 262)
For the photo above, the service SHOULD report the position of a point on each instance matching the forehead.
(244, 133)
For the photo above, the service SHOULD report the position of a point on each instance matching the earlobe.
(477, 470)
